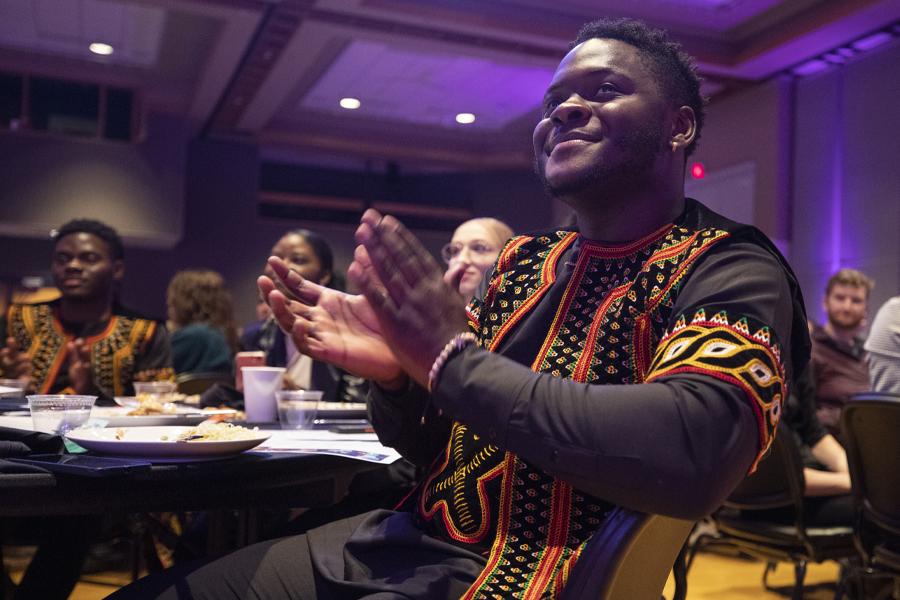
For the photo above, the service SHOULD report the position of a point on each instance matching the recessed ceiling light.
(465, 118)
(101, 48)
(350, 103)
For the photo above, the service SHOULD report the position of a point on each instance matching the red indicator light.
(697, 171)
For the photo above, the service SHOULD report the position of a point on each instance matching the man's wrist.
(456, 344)
(397, 384)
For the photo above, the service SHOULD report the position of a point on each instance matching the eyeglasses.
(451, 251)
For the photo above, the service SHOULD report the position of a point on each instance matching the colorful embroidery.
(733, 350)
(36, 328)
(606, 330)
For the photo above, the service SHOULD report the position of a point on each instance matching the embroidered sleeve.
(154, 360)
(731, 348)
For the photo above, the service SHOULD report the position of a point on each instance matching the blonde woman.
(472, 252)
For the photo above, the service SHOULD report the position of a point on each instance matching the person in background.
(85, 342)
(472, 252)
(826, 472)
(201, 322)
(838, 363)
(883, 347)
(309, 254)
(639, 362)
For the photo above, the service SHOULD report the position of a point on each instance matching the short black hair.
(673, 67)
(101, 230)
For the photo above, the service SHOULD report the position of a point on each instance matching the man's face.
(846, 306)
(83, 268)
(604, 121)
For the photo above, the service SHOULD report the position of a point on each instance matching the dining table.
(286, 474)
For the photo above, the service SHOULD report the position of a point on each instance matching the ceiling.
(274, 71)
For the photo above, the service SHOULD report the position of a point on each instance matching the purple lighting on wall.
(837, 170)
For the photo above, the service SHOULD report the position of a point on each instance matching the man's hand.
(15, 364)
(79, 365)
(418, 312)
(331, 326)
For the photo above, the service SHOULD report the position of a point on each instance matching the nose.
(73, 264)
(464, 255)
(572, 111)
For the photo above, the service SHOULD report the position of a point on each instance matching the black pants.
(381, 555)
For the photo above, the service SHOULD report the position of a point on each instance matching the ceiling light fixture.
(465, 118)
(101, 48)
(350, 103)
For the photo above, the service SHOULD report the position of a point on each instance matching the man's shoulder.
(140, 321)
(32, 309)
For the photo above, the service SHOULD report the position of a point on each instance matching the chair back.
(871, 426)
(197, 383)
(778, 480)
(630, 556)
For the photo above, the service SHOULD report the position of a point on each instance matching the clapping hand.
(79, 365)
(331, 326)
(417, 311)
(15, 363)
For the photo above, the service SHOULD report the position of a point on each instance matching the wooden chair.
(628, 558)
(871, 426)
(779, 483)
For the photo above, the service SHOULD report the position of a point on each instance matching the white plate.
(148, 442)
(117, 416)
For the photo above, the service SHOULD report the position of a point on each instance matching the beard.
(639, 149)
(845, 322)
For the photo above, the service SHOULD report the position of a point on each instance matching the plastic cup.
(297, 408)
(260, 385)
(59, 413)
(160, 391)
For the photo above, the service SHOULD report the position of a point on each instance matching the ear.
(118, 270)
(684, 129)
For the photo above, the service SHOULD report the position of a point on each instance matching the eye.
(606, 90)
(481, 248)
(549, 106)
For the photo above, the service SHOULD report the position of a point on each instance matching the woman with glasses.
(472, 251)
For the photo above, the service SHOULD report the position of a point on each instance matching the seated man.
(639, 361)
(85, 342)
(883, 347)
(838, 362)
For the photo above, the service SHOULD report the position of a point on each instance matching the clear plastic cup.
(59, 413)
(160, 390)
(297, 408)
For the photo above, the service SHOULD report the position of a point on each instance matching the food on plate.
(209, 431)
(150, 404)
